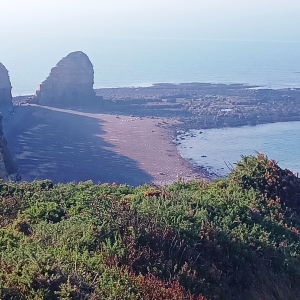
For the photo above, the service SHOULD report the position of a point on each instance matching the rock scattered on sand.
(5, 87)
(8, 168)
(70, 83)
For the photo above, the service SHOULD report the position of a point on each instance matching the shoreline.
(124, 149)
(152, 146)
(136, 121)
(201, 105)
(150, 142)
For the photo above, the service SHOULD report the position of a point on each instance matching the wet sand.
(67, 145)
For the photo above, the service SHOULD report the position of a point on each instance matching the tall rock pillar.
(70, 83)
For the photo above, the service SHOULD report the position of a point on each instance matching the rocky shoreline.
(170, 109)
(201, 105)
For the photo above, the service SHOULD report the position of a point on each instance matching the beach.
(133, 135)
(67, 145)
(149, 141)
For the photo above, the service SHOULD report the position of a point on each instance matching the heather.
(234, 238)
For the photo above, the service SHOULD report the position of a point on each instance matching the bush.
(234, 238)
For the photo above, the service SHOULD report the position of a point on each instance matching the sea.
(218, 150)
(137, 61)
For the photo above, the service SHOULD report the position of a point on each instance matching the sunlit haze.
(138, 42)
(215, 19)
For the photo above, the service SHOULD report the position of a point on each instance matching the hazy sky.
(201, 19)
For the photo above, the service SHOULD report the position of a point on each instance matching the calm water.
(219, 149)
(136, 61)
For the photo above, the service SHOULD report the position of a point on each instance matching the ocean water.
(219, 149)
(124, 61)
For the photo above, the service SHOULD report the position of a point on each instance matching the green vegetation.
(235, 238)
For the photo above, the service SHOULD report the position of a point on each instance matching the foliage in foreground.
(231, 239)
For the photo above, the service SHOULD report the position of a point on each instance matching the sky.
(190, 19)
(36, 34)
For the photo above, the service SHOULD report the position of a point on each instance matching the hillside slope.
(235, 238)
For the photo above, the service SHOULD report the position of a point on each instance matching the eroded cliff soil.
(8, 168)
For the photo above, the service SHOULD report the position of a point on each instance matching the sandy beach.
(149, 142)
(68, 145)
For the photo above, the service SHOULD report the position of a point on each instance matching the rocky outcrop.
(8, 168)
(70, 83)
(5, 87)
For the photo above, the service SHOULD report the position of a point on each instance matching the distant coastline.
(202, 105)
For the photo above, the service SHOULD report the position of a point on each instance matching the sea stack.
(5, 87)
(8, 168)
(70, 83)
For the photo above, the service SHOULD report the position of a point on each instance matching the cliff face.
(8, 168)
(5, 87)
(70, 82)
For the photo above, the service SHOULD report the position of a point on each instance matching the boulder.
(5, 87)
(70, 83)
(8, 168)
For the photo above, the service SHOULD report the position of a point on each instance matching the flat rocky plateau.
(205, 105)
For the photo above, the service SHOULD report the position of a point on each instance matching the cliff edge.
(8, 168)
